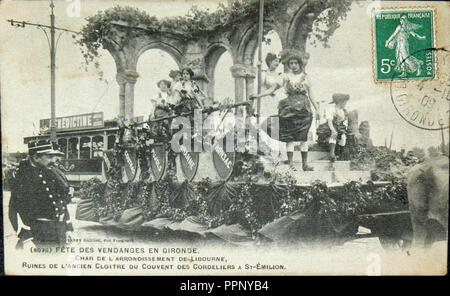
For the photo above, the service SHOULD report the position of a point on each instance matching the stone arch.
(248, 43)
(294, 20)
(172, 50)
(213, 54)
(247, 50)
(297, 31)
(150, 73)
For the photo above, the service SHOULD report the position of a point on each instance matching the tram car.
(82, 138)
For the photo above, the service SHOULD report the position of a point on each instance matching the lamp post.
(52, 43)
(52, 74)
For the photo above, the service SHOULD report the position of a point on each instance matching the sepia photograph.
(225, 137)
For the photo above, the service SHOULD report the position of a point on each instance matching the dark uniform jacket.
(40, 197)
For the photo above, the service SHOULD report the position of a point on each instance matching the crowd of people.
(290, 91)
(297, 108)
(181, 94)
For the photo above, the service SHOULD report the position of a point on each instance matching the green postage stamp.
(403, 39)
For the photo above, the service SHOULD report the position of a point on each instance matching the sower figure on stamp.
(39, 197)
(399, 40)
(334, 131)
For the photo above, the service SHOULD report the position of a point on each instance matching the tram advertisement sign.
(157, 160)
(74, 122)
(189, 162)
(223, 161)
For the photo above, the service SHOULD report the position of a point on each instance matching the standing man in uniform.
(38, 206)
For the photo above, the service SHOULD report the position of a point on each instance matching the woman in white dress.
(270, 97)
(271, 78)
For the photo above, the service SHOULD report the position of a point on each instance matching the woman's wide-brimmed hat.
(174, 73)
(167, 82)
(292, 54)
(337, 98)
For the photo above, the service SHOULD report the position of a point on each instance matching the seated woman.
(187, 93)
(334, 131)
(163, 99)
(165, 94)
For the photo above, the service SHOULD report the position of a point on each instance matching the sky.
(346, 66)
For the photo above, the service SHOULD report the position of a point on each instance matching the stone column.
(129, 99)
(249, 87)
(122, 83)
(129, 78)
(194, 58)
(244, 76)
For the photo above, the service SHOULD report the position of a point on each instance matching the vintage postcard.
(238, 137)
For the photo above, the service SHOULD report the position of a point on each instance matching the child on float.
(334, 131)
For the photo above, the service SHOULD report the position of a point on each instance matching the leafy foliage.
(94, 189)
(156, 199)
(326, 23)
(385, 164)
(100, 30)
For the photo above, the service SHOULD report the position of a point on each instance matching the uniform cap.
(43, 147)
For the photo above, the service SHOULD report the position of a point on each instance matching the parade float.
(233, 196)
(236, 197)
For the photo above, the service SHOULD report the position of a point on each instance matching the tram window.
(73, 148)
(85, 144)
(62, 143)
(111, 141)
(97, 146)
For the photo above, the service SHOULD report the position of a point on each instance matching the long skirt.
(294, 120)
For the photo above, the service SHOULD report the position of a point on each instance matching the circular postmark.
(424, 103)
